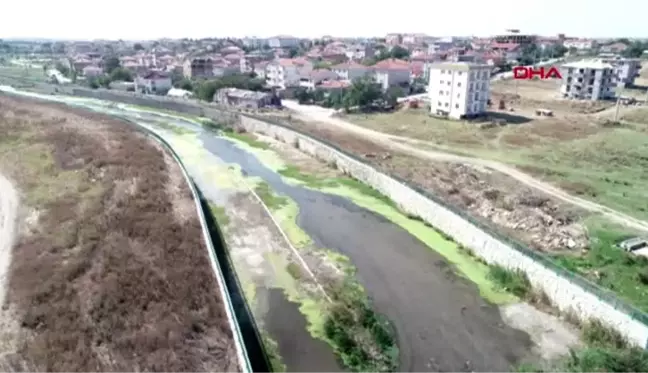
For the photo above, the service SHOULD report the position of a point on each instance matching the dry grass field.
(109, 271)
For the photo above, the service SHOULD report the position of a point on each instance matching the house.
(588, 80)
(331, 86)
(625, 69)
(614, 48)
(350, 70)
(225, 68)
(459, 89)
(394, 39)
(580, 44)
(509, 51)
(242, 98)
(392, 73)
(283, 73)
(314, 78)
(92, 71)
(198, 68)
(359, 51)
(156, 82)
(283, 42)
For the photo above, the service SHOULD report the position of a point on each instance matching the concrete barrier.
(567, 291)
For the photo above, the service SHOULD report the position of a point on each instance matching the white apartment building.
(588, 80)
(625, 69)
(284, 73)
(459, 89)
(283, 42)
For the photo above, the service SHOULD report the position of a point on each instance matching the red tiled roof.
(334, 84)
(349, 65)
(391, 64)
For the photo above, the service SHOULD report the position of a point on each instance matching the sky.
(147, 19)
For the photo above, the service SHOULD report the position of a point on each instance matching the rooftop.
(588, 64)
(459, 66)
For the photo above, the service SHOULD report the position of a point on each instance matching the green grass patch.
(315, 182)
(272, 351)
(363, 340)
(247, 138)
(269, 197)
(515, 282)
(178, 130)
(610, 267)
(294, 270)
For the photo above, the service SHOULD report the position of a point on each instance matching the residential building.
(284, 73)
(580, 44)
(392, 73)
(198, 68)
(254, 42)
(156, 82)
(92, 71)
(312, 79)
(242, 98)
(224, 68)
(509, 51)
(283, 42)
(588, 80)
(614, 48)
(359, 51)
(459, 89)
(394, 39)
(625, 70)
(514, 36)
(350, 70)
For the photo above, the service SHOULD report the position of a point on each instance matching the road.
(8, 211)
(314, 113)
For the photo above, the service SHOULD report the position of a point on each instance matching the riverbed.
(439, 300)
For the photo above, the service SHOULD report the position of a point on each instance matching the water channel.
(441, 321)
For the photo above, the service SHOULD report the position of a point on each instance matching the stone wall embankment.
(568, 292)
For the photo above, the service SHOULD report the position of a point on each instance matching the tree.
(363, 93)
(121, 74)
(392, 95)
(138, 47)
(303, 96)
(64, 70)
(111, 63)
(399, 52)
(635, 49)
(293, 52)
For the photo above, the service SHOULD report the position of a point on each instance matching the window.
(440, 93)
(471, 86)
(476, 96)
(446, 104)
(441, 82)
(459, 84)
(472, 75)
(449, 82)
(439, 103)
(442, 71)
(459, 73)
(458, 95)
(456, 106)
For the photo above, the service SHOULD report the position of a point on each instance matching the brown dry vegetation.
(114, 274)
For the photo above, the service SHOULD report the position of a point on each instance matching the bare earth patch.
(493, 198)
(106, 279)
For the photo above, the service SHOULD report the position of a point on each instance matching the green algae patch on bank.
(465, 265)
(265, 155)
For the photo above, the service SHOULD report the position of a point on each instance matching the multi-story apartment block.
(625, 69)
(459, 89)
(198, 68)
(283, 42)
(588, 80)
(284, 73)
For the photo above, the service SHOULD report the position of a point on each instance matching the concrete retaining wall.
(568, 292)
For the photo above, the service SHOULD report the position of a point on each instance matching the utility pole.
(616, 112)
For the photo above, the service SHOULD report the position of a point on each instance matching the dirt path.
(324, 115)
(8, 210)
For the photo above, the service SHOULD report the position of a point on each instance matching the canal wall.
(567, 291)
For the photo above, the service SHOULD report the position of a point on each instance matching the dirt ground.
(493, 198)
(109, 272)
(529, 95)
